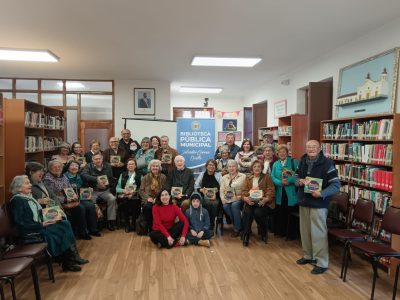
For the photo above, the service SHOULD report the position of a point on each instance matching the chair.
(377, 248)
(11, 268)
(341, 203)
(34, 251)
(364, 213)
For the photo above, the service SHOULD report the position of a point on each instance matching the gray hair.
(155, 162)
(232, 162)
(179, 156)
(164, 137)
(145, 139)
(269, 146)
(16, 183)
(53, 162)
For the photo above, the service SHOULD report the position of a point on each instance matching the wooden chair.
(378, 248)
(363, 213)
(11, 268)
(341, 202)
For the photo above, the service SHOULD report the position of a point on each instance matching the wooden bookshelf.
(375, 136)
(2, 181)
(297, 136)
(16, 130)
(263, 130)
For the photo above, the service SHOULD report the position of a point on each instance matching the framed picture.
(280, 109)
(369, 86)
(144, 101)
(222, 136)
(229, 124)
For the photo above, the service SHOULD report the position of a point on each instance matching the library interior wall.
(329, 65)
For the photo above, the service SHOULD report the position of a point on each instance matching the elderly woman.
(181, 177)
(269, 158)
(63, 154)
(166, 231)
(56, 182)
(94, 148)
(231, 188)
(257, 207)
(223, 161)
(27, 216)
(127, 190)
(210, 179)
(144, 155)
(150, 187)
(245, 156)
(283, 176)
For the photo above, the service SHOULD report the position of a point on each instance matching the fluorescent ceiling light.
(71, 85)
(201, 90)
(225, 61)
(28, 55)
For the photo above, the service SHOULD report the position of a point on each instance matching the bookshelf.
(2, 183)
(293, 132)
(264, 130)
(32, 132)
(363, 149)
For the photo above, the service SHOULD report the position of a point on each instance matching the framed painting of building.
(369, 86)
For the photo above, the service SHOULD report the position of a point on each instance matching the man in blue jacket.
(317, 182)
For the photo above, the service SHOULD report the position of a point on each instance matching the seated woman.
(27, 217)
(257, 208)
(245, 156)
(56, 182)
(150, 187)
(63, 154)
(210, 179)
(127, 190)
(78, 154)
(223, 161)
(90, 209)
(143, 156)
(231, 193)
(166, 233)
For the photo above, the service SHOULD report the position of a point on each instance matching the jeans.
(212, 208)
(233, 211)
(194, 239)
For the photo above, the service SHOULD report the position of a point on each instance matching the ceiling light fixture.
(225, 61)
(200, 90)
(28, 55)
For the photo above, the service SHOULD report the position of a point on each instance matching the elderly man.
(166, 155)
(181, 177)
(93, 176)
(116, 156)
(131, 146)
(230, 144)
(317, 181)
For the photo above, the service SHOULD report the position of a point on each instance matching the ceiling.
(156, 40)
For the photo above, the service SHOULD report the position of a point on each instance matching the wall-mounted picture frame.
(144, 101)
(368, 87)
(280, 108)
(229, 124)
(222, 136)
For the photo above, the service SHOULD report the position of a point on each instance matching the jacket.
(145, 190)
(265, 184)
(290, 189)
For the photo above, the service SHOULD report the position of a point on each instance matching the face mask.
(133, 147)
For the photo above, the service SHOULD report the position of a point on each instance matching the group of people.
(151, 179)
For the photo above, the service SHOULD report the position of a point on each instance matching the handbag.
(141, 162)
(141, 225)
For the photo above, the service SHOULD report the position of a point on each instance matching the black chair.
(378, 248)
(363, 214)
(339, 217)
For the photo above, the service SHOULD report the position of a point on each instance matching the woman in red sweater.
(165, 231)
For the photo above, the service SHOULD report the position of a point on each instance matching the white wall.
(124, 101)
(384, 38)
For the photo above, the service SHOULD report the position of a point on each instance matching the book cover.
(287, 173)
(81, 159)
(209, 193)
(313, 184)
(70, 194)
(115, 159)
(130, 188)
(256, 195)
(52, 214)
(166, 158)
(85, 194)
(103, 179)
(229, 194)
(176, 190)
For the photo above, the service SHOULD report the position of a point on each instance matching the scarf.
(154, 182)
(310, 163)
(33, 205)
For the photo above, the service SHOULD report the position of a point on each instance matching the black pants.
(212, 208)
(130, 209)
(148, 214)
(281, 216)
(158, 238)
(259, 213)
(83, 218)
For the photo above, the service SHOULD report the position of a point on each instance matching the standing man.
(116, 156)
(130, 146)
(313, 202)
(166, 155)
(230, 143)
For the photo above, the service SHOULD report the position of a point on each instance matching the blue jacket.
(290, 189)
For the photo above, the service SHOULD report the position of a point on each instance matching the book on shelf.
(115, 159)
(210, 193)
(33, 143)
(51, 143)
(70, 194)
(85, 194)
(255, 195)
(229, 194)
(339, 131)
(176, 191)
(313, 184)
(372, 177)
(103, 179)
(284, 130)
(52, 214)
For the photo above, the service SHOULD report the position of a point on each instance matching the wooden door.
(259, 118)
(247, 123)
(99, 130)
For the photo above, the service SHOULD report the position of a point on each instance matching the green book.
(313, 184)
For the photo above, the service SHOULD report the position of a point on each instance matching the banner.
(195, 140)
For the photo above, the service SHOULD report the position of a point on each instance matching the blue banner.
(195, 140)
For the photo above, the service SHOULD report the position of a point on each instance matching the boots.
(76, 257)
(246, 238)
(68, 262)
(111, 225)
(204, 243)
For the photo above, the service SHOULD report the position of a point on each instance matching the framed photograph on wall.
(280, 109)
(229, 124)
(369, 86)
(144, 101)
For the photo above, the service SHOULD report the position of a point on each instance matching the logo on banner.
(196, 125)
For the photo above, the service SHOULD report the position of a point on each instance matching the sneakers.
(318, 270)
(304, 261)
(204, 243)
